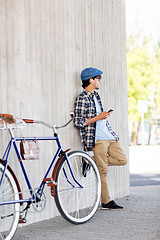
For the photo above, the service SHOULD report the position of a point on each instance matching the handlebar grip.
(28, 120)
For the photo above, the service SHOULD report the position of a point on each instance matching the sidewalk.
(140, 220)
(144, 159)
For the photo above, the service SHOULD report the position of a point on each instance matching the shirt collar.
(90, 94)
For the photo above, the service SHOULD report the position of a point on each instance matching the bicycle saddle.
(7, 118)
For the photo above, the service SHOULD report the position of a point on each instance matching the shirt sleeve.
(80, 116)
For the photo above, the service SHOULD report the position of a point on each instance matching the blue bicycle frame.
(6, 156)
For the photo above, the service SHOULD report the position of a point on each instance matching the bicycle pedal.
(85, 167)
(22, 220)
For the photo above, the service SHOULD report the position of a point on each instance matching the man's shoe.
(111, 206)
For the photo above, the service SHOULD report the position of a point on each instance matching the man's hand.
(103, 115)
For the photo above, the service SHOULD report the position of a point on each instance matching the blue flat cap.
(88, 73)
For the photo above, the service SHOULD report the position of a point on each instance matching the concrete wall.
(44, 44)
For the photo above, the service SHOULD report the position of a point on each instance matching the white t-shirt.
(102, 132)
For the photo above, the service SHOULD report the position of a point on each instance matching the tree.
(143, 73)
(156, 82)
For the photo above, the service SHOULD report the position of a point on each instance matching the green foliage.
(143, 73)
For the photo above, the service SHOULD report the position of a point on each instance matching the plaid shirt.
(84, 109)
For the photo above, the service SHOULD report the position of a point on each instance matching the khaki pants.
(107, 153)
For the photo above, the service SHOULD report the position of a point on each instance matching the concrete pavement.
(140, 220)
(144, 159)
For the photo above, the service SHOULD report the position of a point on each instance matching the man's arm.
(79, 112)
(102, 115)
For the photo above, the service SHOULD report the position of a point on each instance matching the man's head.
(91, 76)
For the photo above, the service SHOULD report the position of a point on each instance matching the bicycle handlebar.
(47, 125)
(7, 120)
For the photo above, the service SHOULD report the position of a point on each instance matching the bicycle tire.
(9, 213)
(77, 205)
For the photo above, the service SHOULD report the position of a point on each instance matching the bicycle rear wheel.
(9, 213)
(77, 204)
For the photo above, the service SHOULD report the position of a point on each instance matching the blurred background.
(143, 73)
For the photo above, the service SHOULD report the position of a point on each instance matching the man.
(96, 132)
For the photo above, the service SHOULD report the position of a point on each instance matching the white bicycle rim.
(9, 214)
(77, 204)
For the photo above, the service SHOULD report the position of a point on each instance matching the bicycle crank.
(40, 201)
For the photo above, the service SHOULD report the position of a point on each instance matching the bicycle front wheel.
(78, 188)
(9, 213)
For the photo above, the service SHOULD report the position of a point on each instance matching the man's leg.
(116, 156)
(100, 157)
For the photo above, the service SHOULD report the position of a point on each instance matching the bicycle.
(76, 190)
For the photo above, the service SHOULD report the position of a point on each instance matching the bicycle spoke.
(9, 213)
(78, 205)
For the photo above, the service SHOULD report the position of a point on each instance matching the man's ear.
(90, 80)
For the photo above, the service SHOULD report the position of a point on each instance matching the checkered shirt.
(84, 108)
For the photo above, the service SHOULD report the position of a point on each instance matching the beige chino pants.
(107, 153)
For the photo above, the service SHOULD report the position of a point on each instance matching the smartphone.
(110, 110)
